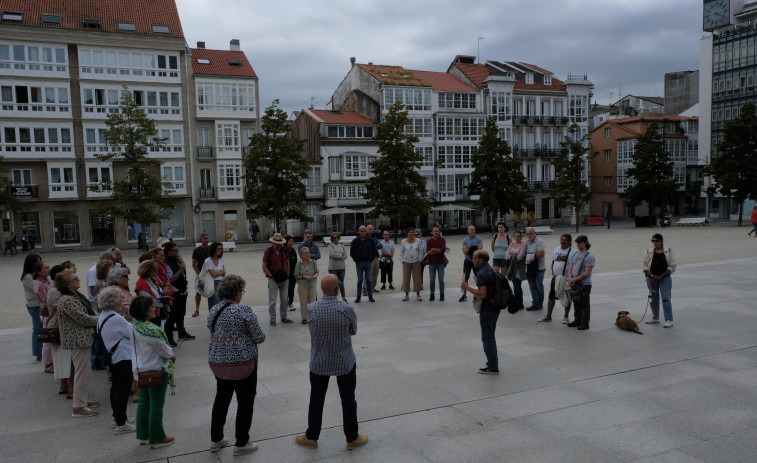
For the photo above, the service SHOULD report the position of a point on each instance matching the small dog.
(626, 323)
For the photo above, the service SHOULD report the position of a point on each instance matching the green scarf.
(147, 328)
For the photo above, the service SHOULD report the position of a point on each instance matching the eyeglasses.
(655, 241)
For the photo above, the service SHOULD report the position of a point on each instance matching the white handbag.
(205, 284)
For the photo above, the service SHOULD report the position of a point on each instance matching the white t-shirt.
(221, 265)
(91, 281)
(560, 260)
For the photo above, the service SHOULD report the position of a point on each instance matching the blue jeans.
(488, 322)
(339, 274)
(662, 288)
(213, 300)
(36, 325)
(537, 289)
(436, 270)
(364, 267)
(518, 291)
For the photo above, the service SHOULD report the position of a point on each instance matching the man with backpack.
(486, 281)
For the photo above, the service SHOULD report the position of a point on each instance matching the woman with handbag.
(581, 264)
(233, 358)
(306, 273)
(411, 253)
(658, 264)
(77, 322)
(42, 281)
(516, 267)
(292, 253)
(61, 357)
(337, 258)
(152, 365)
(216, 266)
(32, 303)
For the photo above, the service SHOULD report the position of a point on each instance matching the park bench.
(227, 245)
(543, 230)
(594, 221)
(692, 221)
(345, 240)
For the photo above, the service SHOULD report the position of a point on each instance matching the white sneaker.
(565, 321)
(125, 429)
(113, 424)
(250, 447)
(652, 321)
(668, 324)
(216, 446)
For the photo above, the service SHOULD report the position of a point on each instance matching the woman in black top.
(292, 253)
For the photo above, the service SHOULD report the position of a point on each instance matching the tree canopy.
(497, 178)
(8, 200)
(276, 171)
(734, 169)
(396, 189)
(571, 184)
(652, 172)
(139, 193)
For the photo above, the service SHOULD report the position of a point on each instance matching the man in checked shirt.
(332, 324)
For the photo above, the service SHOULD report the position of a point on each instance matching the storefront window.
(230, 225)
(134, 229)
(102, 228)
(175, 220)
(23, 221)
(66, 228)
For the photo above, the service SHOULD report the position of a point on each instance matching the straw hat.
(277, 239)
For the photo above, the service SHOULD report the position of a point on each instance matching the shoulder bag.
(151, 378)
(577, 288)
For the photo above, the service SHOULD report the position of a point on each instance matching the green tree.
(8, 200)
(652, 172)
(571, 185)
(396, 189)
(497, 177)
(734, 170)
(276, 170)
(139, 193)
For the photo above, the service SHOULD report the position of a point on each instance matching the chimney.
(234, 45)
(200, 44)
(352, 61)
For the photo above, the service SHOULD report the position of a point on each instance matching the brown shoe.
(83, 411)
(359, 442)
(166, 442)
(303, 440)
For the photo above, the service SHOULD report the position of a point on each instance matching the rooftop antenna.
(312, 101)
(478, 50)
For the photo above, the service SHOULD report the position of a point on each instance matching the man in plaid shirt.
(332, 324)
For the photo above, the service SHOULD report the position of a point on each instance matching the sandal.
(420, 298)
(405, 299)
(63, 391)
(196, 314)
(50, 369)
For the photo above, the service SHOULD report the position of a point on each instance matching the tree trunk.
(494, 227)
(578, 218)
(741, 211)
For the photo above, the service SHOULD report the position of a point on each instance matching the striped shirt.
(332, 323)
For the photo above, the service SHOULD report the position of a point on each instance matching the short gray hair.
(110, 255)
(115, 275)
(109, 298)
(231, 286)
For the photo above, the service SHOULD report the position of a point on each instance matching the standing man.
(119, 261)
(199, 255)
(375, 263)
(315, 252)
(177, 270)
(559, 267)
(471, 243)
(435, 248)
(535, 271)
(489, 315)
(386, 261)
(276, 268)
(362, 251)
(32, 240)
(332, 323)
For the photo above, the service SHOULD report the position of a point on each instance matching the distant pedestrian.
(362, 251)
(199, 255)
(516, 267)
(375, 263)
(8, 246)
(32, 240)
(471, 244)
(332, 323)
(489, 313)
(337, 257)
(291, 251)
(32, 301)
(557, 285)
(435, 249)
(754, 222)
(411, 253)
(535, 268)
(306, 273)
(500, 243)
(658, 264)
(315, 251)
(276, 269)
(386, 261)
(215, 264)
(169, 234)
(581, 264)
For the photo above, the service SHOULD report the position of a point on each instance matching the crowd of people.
(137, 327)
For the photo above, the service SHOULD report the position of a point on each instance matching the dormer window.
(53, 19)
(235, 62)
(529, 78)
(91, 23)
(13, 16)
(161, 29)
(203, 61)
(127, 27)
(547, 80)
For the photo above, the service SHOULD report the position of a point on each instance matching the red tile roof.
(397, 75)
(536, 68)
(339, 117)
(142, 13)
(219, 63)
(478, 73)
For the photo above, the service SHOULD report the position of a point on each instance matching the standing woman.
(581, 264)
(77, 323)
(61, 357)
(500, 244)
(516, 267)
(42, 280)
(216, 266)
(292, 254)
(306, 273)
(754, 222)
(147, 285)
(337, 257)
(101, 273)
(151, 353)
(32, 304)
(161, 276)
(410, 256)
(233, 359)
(119, 277)
(657, 265)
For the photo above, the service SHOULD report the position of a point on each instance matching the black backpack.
(101, 356)
(501, 296)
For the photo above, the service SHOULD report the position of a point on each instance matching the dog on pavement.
(626, 323)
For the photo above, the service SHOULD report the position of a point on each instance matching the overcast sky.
(301, 49)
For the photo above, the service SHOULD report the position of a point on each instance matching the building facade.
(681, 91)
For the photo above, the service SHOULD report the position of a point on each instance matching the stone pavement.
(684, 394)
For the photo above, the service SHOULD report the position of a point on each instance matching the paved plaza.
(684, 394)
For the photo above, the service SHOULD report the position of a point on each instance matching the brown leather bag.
(152, 378)
(51, 335)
